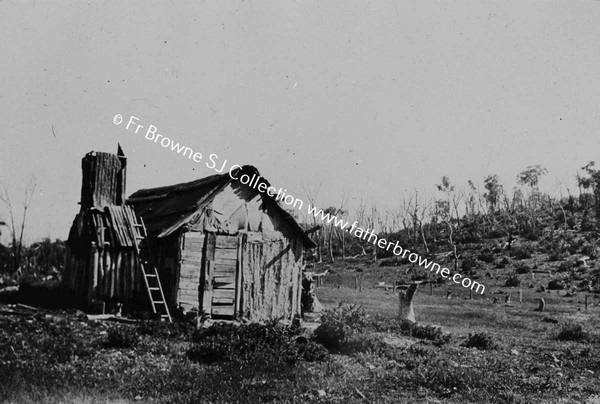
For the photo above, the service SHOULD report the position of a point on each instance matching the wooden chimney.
(103, 179)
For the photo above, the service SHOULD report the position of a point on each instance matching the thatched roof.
(166, 209)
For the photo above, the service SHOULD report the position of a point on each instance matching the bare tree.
(17, 230)
(312, 194)
(417, 214)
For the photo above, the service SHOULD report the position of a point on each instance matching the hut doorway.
(209, 275)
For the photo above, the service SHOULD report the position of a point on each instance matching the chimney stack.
(103, 179)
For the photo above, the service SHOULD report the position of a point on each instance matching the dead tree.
(311, 195)
(17, 230)
(405, 303)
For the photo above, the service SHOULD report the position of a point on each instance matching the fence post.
(586, 302)
(520, 295)
(355, 281)
(430, 288)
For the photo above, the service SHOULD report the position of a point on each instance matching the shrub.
(486, 256)
(513, 280)
(557, 284)
(431, 333)
(165, 330)
(332, 333)
(503, 263)
(468, 265)
(565, 266)
(368, 344)
(120, 338)
(270, 344)
(590, 250)
(521, 253)
(207, 352)
(482, 341)
(427, 332)
(572, 332)
(522, 268)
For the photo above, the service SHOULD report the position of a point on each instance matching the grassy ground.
(59, 357)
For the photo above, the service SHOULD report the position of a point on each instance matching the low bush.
(565, 266)
(522, 268)
(427, 332)
(557, 284)
(486, 256)
(431, 333)
(572, 332)
(165, 330)
(332, 333)
(482, 341)
(469, 264)
(502, 263)
(521, 253)
(118, 337)
(513, 280)
(268, 344)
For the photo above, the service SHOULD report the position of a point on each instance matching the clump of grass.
(427, 332)
(482, 341)
(557, 284)
(270, 344)
(521, 253)
(120, 338)
(522, 268)
(572, 332)
(513, 280)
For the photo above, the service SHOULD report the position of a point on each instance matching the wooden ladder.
(150, 273)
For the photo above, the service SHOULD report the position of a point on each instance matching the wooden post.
(448, 294)
(532, 276)
(520, 295)
(586, 302)
(356, 282)
(470, 294)
(430, 288)
(542, 305)
(394, 287)
(360, 284)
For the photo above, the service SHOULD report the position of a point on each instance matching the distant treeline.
(459, 217)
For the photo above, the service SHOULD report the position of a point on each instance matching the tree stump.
(542, 306)
(405, 305)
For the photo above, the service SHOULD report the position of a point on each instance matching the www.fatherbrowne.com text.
(281, 195)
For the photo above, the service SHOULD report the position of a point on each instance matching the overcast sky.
(368, 99)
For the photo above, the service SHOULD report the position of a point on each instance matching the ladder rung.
(154, 288)
(138, 225)
(158, 302)
(150, 276)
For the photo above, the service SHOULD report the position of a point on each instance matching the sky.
(367, 100)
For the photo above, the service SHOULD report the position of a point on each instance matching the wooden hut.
(224, 248)
(219, 246)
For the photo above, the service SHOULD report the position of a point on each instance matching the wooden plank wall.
(271, 272)
(224, 271)
(103, 273)
(190, 269)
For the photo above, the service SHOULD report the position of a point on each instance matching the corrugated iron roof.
(113, 225)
